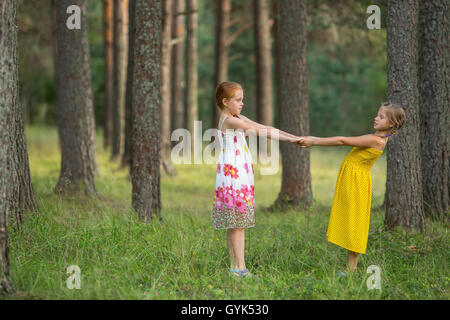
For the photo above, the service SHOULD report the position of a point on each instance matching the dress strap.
(221, 122)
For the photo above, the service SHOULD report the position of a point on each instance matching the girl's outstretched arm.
(368, 140)
(240, 124)
(265, 127)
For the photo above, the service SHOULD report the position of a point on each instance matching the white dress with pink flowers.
(234, 205)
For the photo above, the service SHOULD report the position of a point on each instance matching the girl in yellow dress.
(350, 213)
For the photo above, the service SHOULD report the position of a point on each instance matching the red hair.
(226, 90)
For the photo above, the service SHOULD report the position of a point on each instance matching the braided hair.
(396, 115)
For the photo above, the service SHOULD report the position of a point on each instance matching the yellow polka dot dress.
(350, 213)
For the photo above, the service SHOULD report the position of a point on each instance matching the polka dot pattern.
(350, 213)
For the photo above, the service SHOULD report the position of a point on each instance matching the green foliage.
(182, 257)
(344, 93)
(346, 63)
(206, 19)
(36, 68)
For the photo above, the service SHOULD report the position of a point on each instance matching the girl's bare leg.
(230, 248)
(352, 260)
(238, 242)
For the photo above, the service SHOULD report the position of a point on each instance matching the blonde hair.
(226, 90)
(396, 115)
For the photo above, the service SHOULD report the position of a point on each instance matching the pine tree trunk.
(276, 53)
(9, 88)
(145, 174)
(403, 199)
(264, 95)
(293, 90)
(108, 31)
(192, 66)
(75, 107)
(22, 195)
(434, 103)
(166, 162)
(178, 33)
(54, 39)
(126, 158)
(120, 67)
(221, 51)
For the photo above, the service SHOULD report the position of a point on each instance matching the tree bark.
(403, 199)
(177, 82)
(166, 162)
(223, 10)
(120, 67)
(76, 126)
(9, 87)
(108, 31)
(276, 53)
(293, 90)
(126, 158)
(22, 195)
(192, 65)
(434, 104)
(264, 95)
(145, 174)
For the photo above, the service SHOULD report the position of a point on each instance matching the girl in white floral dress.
(234, 205)
(234, 200)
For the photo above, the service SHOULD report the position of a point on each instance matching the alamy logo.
(190, 151)
(374, 281)
(74, 20)
(74, 280)
(374, 21)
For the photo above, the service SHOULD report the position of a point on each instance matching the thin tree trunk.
(75, 107)
(223, 10)
(293, 89)
(108, 31)
(145, 174)
(166, 162)
(434, 102)
(264, 95)
(404, 200)
(177, 83)
(276, 53)
(120, 67)
(192, 65)
(9, 87)
(126, 159)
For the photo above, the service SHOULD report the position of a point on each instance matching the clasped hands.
(303, 141)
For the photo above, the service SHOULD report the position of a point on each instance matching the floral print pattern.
(234, 198)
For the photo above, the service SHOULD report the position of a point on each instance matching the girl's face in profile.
(235, 103)
(381, 121)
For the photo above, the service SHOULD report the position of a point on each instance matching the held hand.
(304, 142)
(308, 141)
(297, 140)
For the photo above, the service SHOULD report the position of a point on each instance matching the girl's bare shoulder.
(234, 122)
(379, 142)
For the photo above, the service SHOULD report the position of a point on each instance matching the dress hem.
(221, 228)
(346, 247)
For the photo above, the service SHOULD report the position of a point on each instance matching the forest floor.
(183, 257)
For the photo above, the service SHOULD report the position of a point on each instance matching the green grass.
(182, 257)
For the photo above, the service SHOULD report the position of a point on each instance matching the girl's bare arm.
(266, 127)
(368, 140)
(236, 124)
